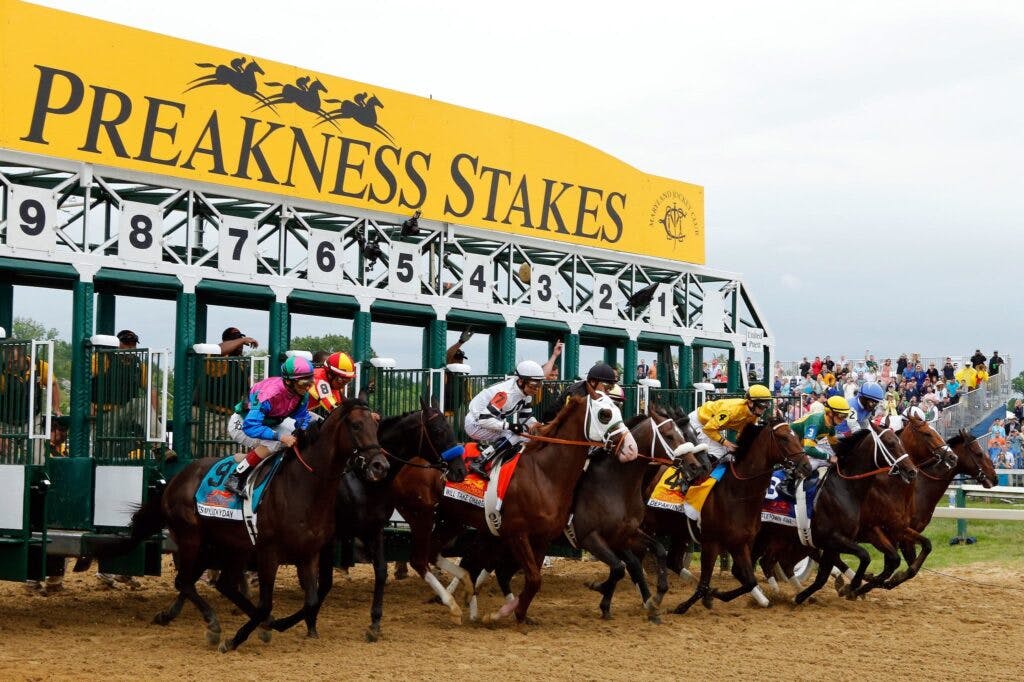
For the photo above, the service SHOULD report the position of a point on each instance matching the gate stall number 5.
(236, 248)
(32, 218)
(404, 268)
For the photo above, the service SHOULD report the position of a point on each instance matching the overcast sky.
(861, 161)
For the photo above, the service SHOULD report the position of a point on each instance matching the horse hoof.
(593, 585)
(224, 648)
(456, 617)
(526, 621)
(606, 615)
(312, 634)
(161, 618)
(213, 637)
(373, 633)
(654, 618)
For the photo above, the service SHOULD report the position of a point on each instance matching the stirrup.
(477, 467)
(236, 484)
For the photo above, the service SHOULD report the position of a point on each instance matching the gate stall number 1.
(32, 218)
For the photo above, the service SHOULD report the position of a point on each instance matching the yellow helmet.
(838, 404)
(758, 393)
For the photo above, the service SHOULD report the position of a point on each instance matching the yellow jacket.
(721, 415)
(971, 378)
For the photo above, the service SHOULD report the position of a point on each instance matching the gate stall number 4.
(325, 257)
(404, 268)
(477, 279)
(139, 232)
(32, 218)
(236, 248)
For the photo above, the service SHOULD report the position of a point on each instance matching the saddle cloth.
(478, 492)
(672, 498)
(665, 496)
(780, 507)
(216, 503)
(698, 493)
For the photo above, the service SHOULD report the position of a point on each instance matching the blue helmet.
(872, 391)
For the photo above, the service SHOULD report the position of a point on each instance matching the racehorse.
(536, 505)
(365, 507)
(731, 514)
(363, 111)
(842, 496)
(240, 78)
(608, 510)
(295, 520)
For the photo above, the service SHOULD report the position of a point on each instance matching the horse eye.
(604, 415)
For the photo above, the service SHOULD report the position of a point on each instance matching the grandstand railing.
(975, 405)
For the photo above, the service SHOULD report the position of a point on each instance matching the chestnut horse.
(295, 520)
(731, 514)
(536, 505)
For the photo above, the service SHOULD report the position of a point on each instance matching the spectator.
(777, 385)
(909, 373)
(953, 389)
(805, 367)
(849, 389)
(859, 368)
(1018, 411)
(233, 342)
(901, 363)
(816, 366)
(15, 390)
(454, 354)
(932, 372)
(828, 364)
(885, 374)
(551, 366)
(643, 369)
(871, 364)
(977, 358)
(948, 370)
(994, 363)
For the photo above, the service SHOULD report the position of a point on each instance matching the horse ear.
(434, 402)
(423, 404)
(362, 395)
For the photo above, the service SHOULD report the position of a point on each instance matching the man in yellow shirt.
(972, 377)
(713, 418)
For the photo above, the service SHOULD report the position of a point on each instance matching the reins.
(791, 457)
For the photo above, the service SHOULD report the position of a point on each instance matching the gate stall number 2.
(32, 218)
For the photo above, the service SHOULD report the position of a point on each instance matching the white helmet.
(528, 369)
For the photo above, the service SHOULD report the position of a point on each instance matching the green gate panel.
(70, 498)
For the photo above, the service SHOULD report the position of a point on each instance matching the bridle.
(892, 462)
(358, 460)
(940, 454)
(422, 435)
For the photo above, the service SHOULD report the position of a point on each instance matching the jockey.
(828, 425)
(264, 423)
(601, 377)
(716, 416)
(865, 401)
(501, 413)
(331, 381)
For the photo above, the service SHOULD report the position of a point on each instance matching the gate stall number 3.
(542, 288)
(236, 248)
(31, 218)
(404, 268)
(325, 257)
(139, 232)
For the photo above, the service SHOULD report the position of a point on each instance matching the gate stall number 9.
(32, 218)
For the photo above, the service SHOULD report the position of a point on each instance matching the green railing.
(220, 384)
(460, 389)
(25, 390)
(396, 391)
(128, 404)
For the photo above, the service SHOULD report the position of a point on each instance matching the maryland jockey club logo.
(305, 93)
(675, 215)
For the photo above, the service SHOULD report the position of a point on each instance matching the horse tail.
(147, 521)
(206, 66)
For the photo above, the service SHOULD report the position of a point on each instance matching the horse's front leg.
(743, 571)
(309, 570)
(380, 577)
(708, 554)
(908, 546)
(267, 565)
(596, 545)
(891, 561)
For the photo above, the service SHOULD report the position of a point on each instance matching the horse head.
(317, 86)
(374, 102)
(254, 68)
(972, 460)
(436, 434)
(673, 444)
(786, 449)
(888, 449)
(356, 438)
(602, 423)
(924, 443)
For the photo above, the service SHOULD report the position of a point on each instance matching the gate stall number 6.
(404, 268)
(139, 232)
(236, 250)
(31, 218)
(325, 257)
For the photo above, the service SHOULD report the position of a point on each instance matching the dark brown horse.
(536, 505)
(608, 510)
(295, 520)
(731, 514)
(365, 506)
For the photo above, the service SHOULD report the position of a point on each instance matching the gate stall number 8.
(31, 218)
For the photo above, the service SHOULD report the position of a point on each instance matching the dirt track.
(932, 628)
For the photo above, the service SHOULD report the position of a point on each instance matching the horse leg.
(309, 570)
(680, 557)
(743, 571)
(636, 574)
(452, 568)
(824, 571)
(703, 591)
(908, 544)
(420, 562)
(190, 566)
(660, 559)
(380, 577)
(267, 565)
(523, 551)
(891, 559)
(596, 545)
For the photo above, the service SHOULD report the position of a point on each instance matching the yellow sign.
(88, 90)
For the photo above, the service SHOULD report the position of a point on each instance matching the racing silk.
(492, 407)
(717, 416)
(576, 389)
(861, 415)
(810, 429)
(270, 402)
(321, 394)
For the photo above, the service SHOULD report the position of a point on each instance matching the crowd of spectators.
(909, 385)
(1006, 442)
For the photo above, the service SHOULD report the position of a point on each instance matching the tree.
(1017, 383)
(328, 342)
(27, 329)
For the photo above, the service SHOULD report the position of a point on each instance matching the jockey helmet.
(758, 394)
(602, 372)
(872, 391)
(296, 367)
(340, 364)
(837, 405)
(529, 370)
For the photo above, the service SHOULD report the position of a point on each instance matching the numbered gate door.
(396, 391)
(222, 384)
(26, 390)
(459, 392)
(129, 410)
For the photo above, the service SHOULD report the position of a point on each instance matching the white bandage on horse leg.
(759, 597)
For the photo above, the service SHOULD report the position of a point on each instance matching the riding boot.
(478, 465)
(236, 481)
(788, 486)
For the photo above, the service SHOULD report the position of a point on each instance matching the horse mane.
(747, 437)
(635, 420)
(388, 422)
(850, 443)
(563, 414)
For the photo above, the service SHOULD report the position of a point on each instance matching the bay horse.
(731, 514)
(365, 507)
(608, 510)
(842, 496)
(536, 505)
(295, 520)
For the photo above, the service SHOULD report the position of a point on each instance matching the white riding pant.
(715, 449)
(484, 434)
(248, 442)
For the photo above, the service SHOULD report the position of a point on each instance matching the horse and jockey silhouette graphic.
(305, 93)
